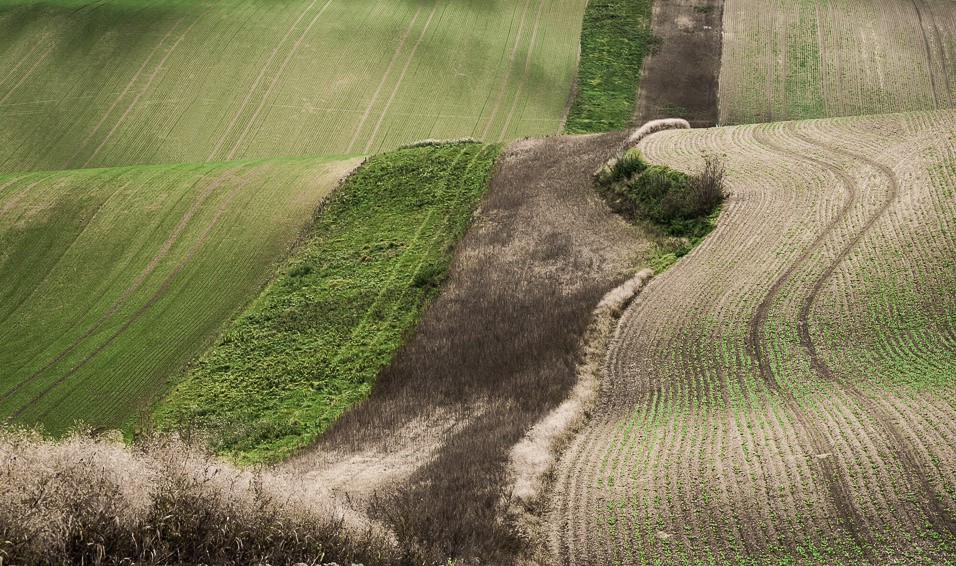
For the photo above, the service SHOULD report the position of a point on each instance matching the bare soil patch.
(679, 78)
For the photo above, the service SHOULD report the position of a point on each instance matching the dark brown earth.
(495, 352)
(679, 79)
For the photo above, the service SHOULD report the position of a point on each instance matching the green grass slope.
(132, 82)
(615, 37)
(313, 343)
(112, 279)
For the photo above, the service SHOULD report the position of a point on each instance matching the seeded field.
(818, 58)
(785, 392)
(112, 279)
(130, 82)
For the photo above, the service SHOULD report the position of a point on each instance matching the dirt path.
(740, 419)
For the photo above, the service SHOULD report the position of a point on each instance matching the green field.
(815, 59)
(615, 37)
(313, 343)
(112, 279)
(133, 82)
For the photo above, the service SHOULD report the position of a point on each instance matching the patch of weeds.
(312, 344)
(615, 37)
(677, 209)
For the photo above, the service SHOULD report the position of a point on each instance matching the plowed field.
(112, 279)
(130, 82)
(821, 58)
(786, 390)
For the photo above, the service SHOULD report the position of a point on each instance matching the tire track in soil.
(401, 79)
(928, 51)
(381, 83)
(834, 478)
(24, 59)
(255, 84)
(152, 300)
(939, 516)
(507, 75)
(125, 91)
(154, 262)
(524, 75)
(144, 90)
(275, 79)
(28, 73)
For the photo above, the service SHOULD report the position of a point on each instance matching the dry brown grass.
(94, 500)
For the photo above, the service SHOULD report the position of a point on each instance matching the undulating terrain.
(112, 279)
(786, 391)
(310, 258)
(128, 82)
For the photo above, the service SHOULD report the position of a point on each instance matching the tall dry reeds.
(86, 500)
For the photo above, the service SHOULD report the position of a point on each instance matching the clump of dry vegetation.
(93, 500)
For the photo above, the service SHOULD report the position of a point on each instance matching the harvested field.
(679, 76)
(112, 279)
(494, 353)
(785, 392)
(821, 58)
(129, 82)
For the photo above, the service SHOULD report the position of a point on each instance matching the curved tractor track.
(774, 395)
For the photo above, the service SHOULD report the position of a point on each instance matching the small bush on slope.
(312, 344)
(87, 500)
(681, 208)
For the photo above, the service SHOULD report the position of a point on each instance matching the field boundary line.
(533, 459)
(381, 83)
(149, 82)
(152, 300)
(255, 84)
(275, 79)
(401, 78)
(116, 101)
(154, 262)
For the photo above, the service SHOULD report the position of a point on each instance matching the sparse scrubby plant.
(678, 207)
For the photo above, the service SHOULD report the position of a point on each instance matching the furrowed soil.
(815, 59)
(679, 77)
(785, 391)
(494, 353)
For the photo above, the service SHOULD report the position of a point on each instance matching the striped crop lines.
(259, 78)
(504, 79)
(383, 80)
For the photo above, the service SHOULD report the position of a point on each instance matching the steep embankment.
(786, 390)
(112, 279)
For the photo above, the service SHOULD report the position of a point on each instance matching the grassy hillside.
(814, 59)
(313, 343)
(112, 279)
(615, 37)
(130, 82)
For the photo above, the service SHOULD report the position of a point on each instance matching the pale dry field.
(785, 391)
(824, 58)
